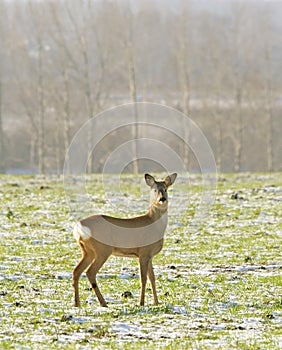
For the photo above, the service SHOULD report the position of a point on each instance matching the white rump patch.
(81, 231)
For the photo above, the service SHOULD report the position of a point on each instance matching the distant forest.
(63, 62)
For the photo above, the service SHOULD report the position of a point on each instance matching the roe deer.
(100, 236)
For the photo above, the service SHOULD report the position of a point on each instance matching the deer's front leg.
(81, 266)
(151, 276)
(143, 263)
(91, 275)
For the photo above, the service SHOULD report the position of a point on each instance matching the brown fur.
(90, 231)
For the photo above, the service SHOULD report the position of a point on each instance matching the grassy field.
(219, 282)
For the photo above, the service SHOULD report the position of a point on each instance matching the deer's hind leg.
(91, 273)
(87, 258)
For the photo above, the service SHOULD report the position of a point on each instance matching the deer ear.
(169, 180)
(150, 181)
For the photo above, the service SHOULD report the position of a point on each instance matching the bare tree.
(30, 77)
(133, 95)
(42, 107)
(184, 75)
(38, 24)
(212, 84)
(238, 55)
(83, 34)
(128, 44)
(66, 109)
(66, 63)
(2, 135)
(268, 88)
(67, 60)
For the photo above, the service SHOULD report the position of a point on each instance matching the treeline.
(63, 62)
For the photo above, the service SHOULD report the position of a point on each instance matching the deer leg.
(81, 266)
(91, 275)
(151, 276)
(143, 263)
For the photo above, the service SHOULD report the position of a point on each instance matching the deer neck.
(156, 211)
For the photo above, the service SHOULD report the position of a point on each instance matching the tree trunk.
(133, 93)
(41, 116)
(2, 145)
(184, 77)
(133, 97)
(238, 135)
(268, 95)
(66, 112)
(238, 132)
(218, 130)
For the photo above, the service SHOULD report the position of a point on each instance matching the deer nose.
(162, 199)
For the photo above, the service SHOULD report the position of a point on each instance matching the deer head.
(158, 195)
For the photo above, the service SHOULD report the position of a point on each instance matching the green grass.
(219, 282)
